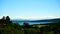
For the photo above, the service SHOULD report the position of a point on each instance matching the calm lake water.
(31, 23)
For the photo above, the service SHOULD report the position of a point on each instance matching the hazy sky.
(30, 9)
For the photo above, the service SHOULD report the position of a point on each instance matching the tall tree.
(3, 18)
(7, 18)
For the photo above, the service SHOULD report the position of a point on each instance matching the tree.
(3, 18)
(26, 25)
(7, 18)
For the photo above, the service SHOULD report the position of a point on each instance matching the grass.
(15, 28)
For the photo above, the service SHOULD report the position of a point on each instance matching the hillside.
(47, 20)
(8, 27)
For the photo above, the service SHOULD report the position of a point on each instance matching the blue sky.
(30, 9)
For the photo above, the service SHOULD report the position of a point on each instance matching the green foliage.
(7, 18)
(15, 28)
(7, 27)
(53, 28)
(3, 18)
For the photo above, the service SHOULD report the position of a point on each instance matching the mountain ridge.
(44, 20)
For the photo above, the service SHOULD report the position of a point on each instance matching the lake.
(31, 23)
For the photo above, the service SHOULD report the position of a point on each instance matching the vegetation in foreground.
(7, 27)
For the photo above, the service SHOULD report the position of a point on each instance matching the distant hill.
(47, 20)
